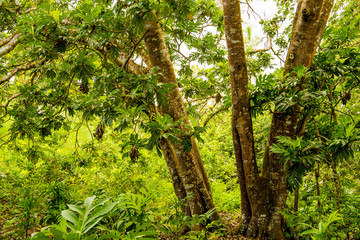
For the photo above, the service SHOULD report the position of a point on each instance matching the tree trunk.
(264, 197)
(176, 178)
(296, 200)
(166, 147)
(191, 167)
(317, 175)
(336, 186)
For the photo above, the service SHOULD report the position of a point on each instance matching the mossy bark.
(166, 147)
(191, 168)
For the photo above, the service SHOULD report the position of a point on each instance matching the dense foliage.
(80, 131)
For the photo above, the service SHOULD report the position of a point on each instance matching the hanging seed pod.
(218, 98)
(99, 131)
(346, 97)
(84, 87)
(134, 154)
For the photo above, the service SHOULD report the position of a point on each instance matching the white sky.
(265, 9)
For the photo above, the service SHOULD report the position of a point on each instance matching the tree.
(84, 48)
(196, 183)
(264, 196)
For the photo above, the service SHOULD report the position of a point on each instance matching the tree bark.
(296, 200)
(8, 46)
(192, 170)
(264, 197)
(317, 175)
(166, 147)
(336, 186)
(176, 178)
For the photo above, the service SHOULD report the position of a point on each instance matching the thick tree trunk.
(243, 139)
(191, 167)
(176, 178)
(264, 197)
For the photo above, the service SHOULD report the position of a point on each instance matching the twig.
(247, 2)
(277, 55)
(65, 97)
(8, 102)
(134, 48)
(213, 114)
(176, 50)
(318, 133)
(262, 50)
(352, 119)
(91, 134)
(77, 133)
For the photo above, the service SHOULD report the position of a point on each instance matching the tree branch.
(6, 40)
(176, 50)
(8, 102)
(213, 115)
(28, 10)
(132, 66)
(20, 68)
(10, 45)
(134, 48)
(249, 6)
(262, 50)
(203, 98)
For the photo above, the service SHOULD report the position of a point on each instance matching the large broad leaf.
(76, 208)
(81, 219)
(95, 217)
(88, 202)
(70, 216)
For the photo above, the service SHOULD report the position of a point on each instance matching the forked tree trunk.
(264, 197)
(191, 168)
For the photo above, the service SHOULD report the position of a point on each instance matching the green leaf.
(70, 216)
(58, 235)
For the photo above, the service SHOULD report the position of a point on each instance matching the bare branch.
(249, 6)
(176, 50)
(213, 115)
(134, 48)
(261, 50)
